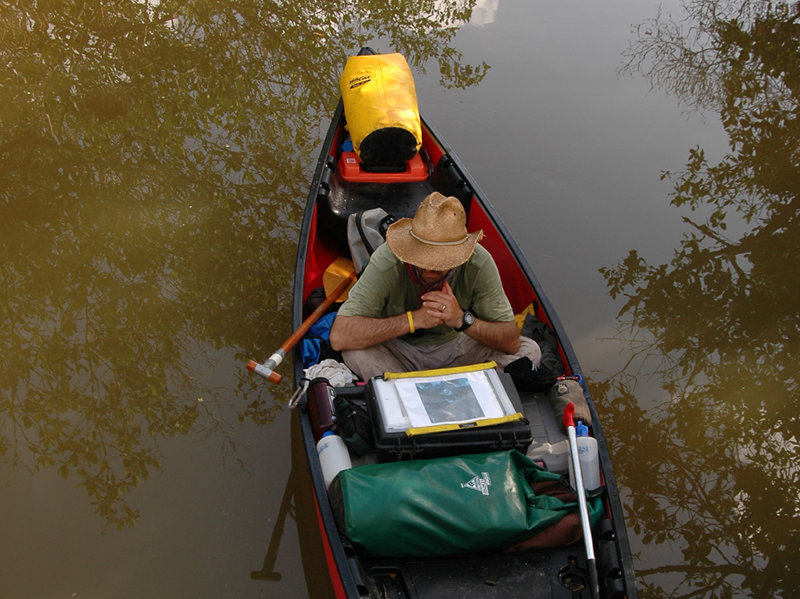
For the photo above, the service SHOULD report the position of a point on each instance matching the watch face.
(466, 321)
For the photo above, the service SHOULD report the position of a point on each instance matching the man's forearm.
(359, 332)
(502, 336)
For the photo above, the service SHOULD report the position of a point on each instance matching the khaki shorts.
(396, 355)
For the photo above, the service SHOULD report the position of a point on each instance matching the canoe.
(338, 189)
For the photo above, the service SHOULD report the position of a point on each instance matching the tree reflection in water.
(716, 467)
(154, 158)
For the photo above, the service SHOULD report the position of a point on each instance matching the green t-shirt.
(385, 289)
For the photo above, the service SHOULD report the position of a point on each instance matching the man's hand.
(359, 332)
(442, 306)
(438, 307)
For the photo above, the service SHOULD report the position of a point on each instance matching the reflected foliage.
(716, 464)
(154, 159)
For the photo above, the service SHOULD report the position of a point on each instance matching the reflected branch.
(715, 464)
(153, 161)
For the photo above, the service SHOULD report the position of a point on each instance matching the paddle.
(586, 524)
(340, 273)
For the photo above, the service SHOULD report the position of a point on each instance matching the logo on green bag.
(479, 483)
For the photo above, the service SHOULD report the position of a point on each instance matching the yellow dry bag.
(380, 105)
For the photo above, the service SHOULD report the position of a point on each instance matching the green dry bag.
(449, 505)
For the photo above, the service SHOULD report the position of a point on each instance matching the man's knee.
(529, 348)
(373, 361)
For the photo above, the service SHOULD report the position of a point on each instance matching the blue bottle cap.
(581, 430)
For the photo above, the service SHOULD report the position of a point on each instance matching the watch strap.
(466, 321)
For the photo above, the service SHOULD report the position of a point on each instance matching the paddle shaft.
(267, 369)
(583, 505)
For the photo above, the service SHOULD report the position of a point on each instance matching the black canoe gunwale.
(345, 575)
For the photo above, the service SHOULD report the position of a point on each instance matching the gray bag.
(564, 392)
(365, 232)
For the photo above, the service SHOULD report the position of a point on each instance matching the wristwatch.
(467, 321)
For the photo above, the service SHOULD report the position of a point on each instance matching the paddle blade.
(338, 271)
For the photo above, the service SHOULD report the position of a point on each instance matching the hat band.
(429, 242)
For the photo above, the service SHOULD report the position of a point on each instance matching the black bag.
(550, 366)
(352, 421)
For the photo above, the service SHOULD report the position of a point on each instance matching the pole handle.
(569, 414)
(267, 373)
(316, 314)
(267, 370)
(583, 505)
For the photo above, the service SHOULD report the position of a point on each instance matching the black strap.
(383, 225)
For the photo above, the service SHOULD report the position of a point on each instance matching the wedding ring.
(443, 307)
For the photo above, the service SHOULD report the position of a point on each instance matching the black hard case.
(479, 439)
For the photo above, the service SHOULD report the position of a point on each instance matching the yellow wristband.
(410, 322)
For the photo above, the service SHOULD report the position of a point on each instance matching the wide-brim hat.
(436, 238)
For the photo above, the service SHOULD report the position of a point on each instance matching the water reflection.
(297, 502)
(153, 161)
(716, 464)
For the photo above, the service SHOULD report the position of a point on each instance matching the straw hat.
(436, 238)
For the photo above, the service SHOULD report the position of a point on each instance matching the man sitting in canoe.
(430, 297)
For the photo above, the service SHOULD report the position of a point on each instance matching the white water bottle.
(333, 456)
(590, 460)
